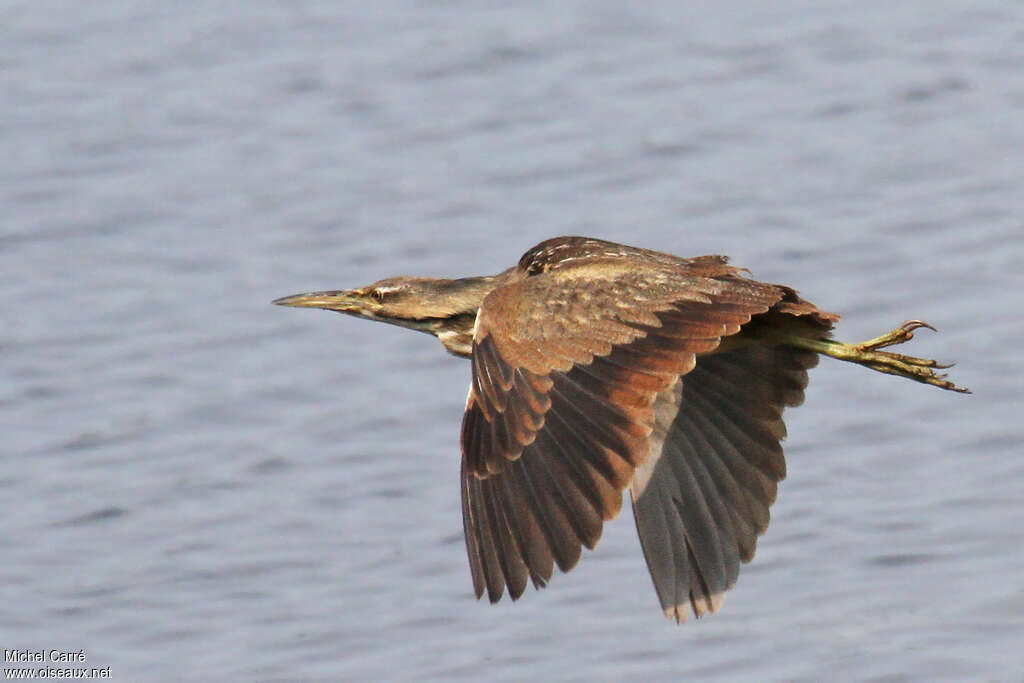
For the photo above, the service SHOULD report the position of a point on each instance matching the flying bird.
(599, 367)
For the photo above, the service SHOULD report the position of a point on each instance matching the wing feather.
(715, 464)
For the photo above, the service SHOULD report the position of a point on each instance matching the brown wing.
(567, 365)
(701, 498)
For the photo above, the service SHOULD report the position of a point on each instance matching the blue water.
(197, 485)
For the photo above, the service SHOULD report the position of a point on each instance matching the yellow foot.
(867, 354)
(919, 369)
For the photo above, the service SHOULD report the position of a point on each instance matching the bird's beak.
(345, 301)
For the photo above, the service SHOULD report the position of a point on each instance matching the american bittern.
(598, 367)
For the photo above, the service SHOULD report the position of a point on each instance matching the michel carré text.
(44, 656)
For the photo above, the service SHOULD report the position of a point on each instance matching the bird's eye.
(378, 295)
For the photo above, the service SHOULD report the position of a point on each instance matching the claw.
(912, 325)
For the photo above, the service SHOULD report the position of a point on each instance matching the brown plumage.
(598, 367)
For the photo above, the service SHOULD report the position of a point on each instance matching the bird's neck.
(466, 295)
(450, 308)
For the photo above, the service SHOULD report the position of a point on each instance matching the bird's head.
(445, 308)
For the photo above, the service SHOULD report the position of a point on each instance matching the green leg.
(867, 353)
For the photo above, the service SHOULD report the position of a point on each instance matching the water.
(197, 485)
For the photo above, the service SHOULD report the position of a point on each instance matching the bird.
(598, 368)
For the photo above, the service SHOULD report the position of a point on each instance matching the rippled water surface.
(198, 485)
